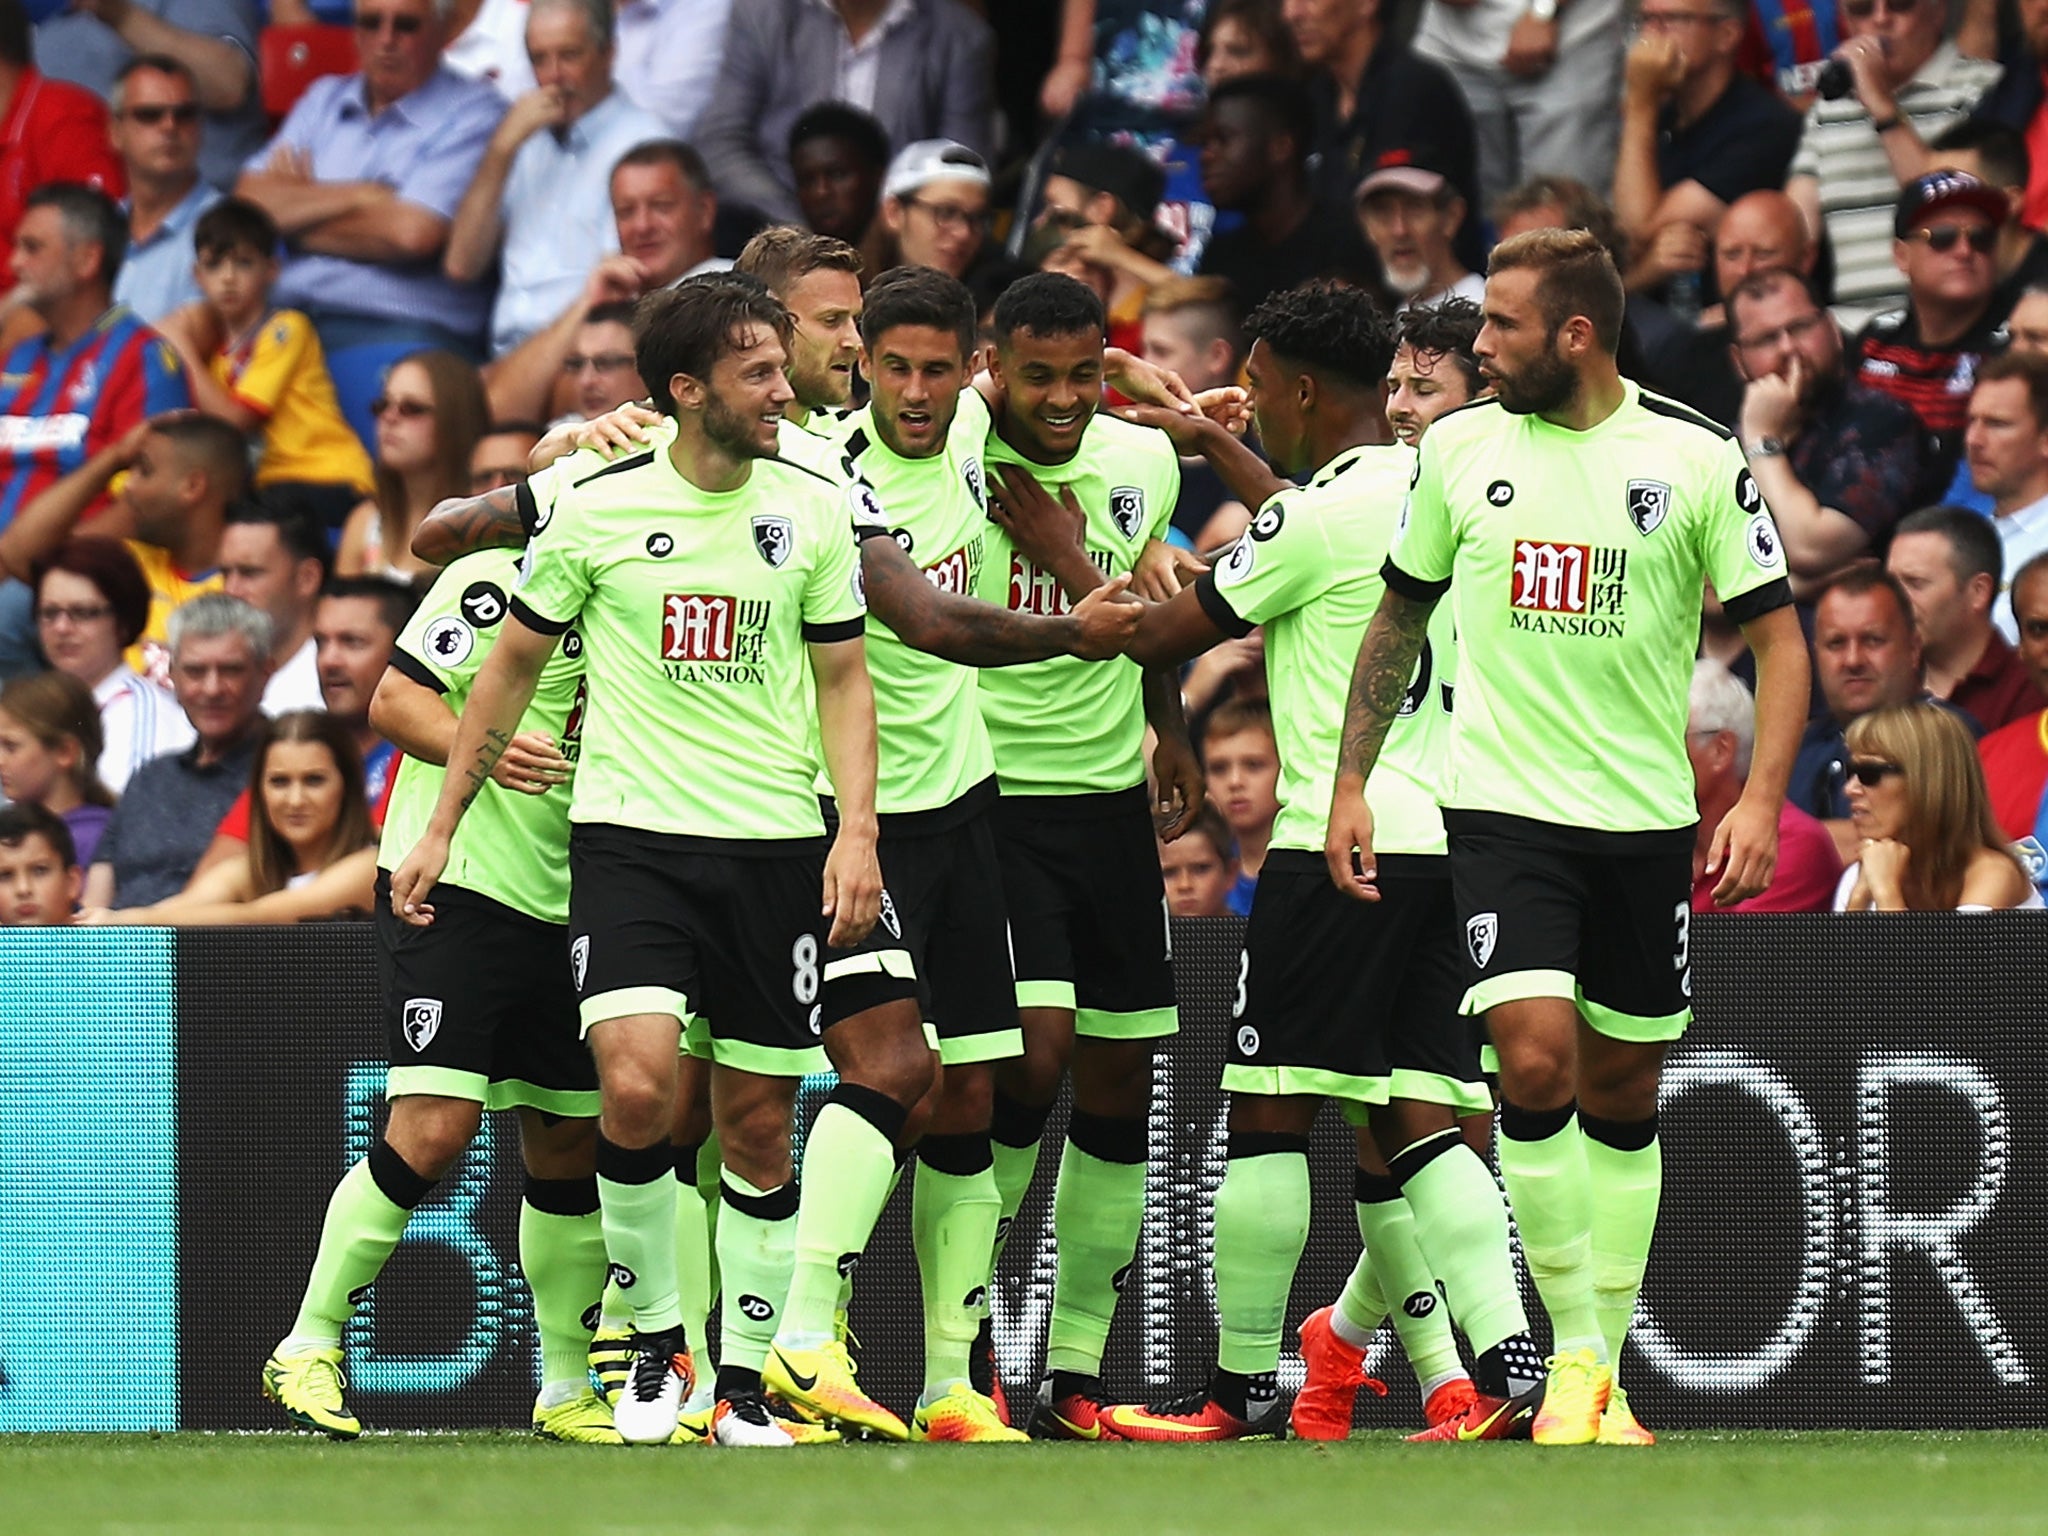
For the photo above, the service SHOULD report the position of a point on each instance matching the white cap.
(929, 160)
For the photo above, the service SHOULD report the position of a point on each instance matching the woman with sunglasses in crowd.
(429, 416)
(1918, 801)
(312, 852)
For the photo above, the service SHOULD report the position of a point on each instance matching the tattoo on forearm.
(962, 630)
(479, 772)
(1386, 660)
(489, 521)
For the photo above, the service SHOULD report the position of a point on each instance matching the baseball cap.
(1946, 189)
(928, 160)
(1414, 168)
(1127, 174)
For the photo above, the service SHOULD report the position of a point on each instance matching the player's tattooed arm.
(497, 702)
(461, 525)
(972, 633)
(1386, 661)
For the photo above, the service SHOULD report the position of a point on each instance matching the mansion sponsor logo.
(708, 637)
(1568, 589)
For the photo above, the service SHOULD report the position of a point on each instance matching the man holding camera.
(1889, 89)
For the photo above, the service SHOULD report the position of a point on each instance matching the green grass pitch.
(1699, 1484)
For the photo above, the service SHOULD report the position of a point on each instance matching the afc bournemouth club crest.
(1648, 503)
(422, 1021)
(1127, 510)
(774, 538)
(1481, 933)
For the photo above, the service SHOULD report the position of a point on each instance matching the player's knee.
(431, 1133)
(1536, 1075)
(965, 1102)
(639, 1104)
(753, 1140)
(555, 1146)
(1113, 1078)
(1032, 1078)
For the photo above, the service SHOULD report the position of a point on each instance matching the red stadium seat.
(292, 58)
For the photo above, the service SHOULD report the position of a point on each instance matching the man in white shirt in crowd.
(539, 204)
(274, 558)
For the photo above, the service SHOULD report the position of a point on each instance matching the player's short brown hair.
(782, 257)
(1575, 276)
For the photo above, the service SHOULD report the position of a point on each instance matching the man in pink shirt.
(1719, 733)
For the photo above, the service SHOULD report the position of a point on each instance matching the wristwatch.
(1765, 448)
(1543, 10)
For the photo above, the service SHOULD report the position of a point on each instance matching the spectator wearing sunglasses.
(1946, 229)
(1855, 152)
(154, 128)
(430, 414)
(364, 179)
(1867, 656)
(1838, 462)
(89, 41)
(1926, 840)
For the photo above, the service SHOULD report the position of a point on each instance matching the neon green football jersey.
(1577, 563)
(1308, 569)
(1064, 726)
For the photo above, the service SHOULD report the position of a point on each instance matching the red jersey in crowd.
(1809, 869)
(2015, 759)
(51, 131)
(61, 405)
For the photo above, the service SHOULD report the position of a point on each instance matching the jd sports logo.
(1121, 1278)
(774, 538)
(1648, 503)
(1247, 1041)
(1272, 517)
(1421, 1304)
(757, 1308)
(359, 1295)
(572, 647)
(1003, 1225)
(1500, 493)
(621, 1276)
(483, 604)
(973, 1300)
(421, 1021)
(1127, 510)
(847, 1261)
(660, 545)
(592, 1316)
(1481, 934)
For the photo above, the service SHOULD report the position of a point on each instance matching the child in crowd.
(1200, 867)
(262, 368)
(39, 875)
(50, 744)
(1242, 765)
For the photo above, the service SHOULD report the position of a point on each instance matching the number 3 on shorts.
(803, 981)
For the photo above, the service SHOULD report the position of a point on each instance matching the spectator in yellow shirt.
(262, 368)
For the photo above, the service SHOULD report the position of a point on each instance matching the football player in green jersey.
(1576, 521)
(480, 1012)
(713, 587)
(1336, 1000)
(1075, 830)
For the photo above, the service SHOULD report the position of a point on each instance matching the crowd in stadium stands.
(282, 278)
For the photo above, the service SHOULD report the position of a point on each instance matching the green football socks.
(1461, 1230)
(561, 1249)
(636, 1191)
(1626, 1163)
(1407, 1285)
(756, 1244)
(1261, 1223)
(1098, 1210)
(366, 1217)
(849, 1166)
(1543, 1160)
(953, 1212)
